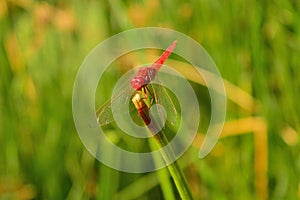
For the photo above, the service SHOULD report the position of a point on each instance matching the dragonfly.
(141, 83)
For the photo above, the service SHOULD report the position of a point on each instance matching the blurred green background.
(255, 44)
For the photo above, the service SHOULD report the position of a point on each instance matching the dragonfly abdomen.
(146, 74)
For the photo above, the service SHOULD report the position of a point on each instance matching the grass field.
(256, 46)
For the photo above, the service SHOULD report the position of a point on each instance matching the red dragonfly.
(140, 83)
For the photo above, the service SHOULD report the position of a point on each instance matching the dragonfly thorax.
(143, 76)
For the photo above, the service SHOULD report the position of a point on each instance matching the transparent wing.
(162, 97)
(122, 95)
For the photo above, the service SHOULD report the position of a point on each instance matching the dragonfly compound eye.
(137, 82)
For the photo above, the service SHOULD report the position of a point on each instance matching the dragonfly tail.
(158, 63)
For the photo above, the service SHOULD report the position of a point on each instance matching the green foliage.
(255, 45)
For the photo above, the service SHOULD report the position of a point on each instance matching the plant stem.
(166, 151)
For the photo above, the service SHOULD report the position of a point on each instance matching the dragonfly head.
(137, 82)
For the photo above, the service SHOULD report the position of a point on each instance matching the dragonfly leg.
(143, 93)
(152, 96)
